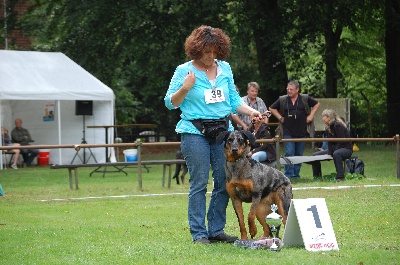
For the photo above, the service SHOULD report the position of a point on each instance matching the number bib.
(214, 95)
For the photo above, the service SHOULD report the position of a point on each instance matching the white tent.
(34, 84)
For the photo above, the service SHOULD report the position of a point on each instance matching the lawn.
(110, 221)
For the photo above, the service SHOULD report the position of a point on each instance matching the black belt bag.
(211, 128)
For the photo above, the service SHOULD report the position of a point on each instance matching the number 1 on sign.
(314, 211)
(300, 230)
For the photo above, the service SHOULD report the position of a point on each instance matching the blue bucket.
(130, 155)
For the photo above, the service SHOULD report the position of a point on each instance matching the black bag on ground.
(355, 165)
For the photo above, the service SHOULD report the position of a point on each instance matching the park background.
(336, 49)
(109, 220)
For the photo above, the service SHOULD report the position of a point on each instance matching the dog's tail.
(177, 171)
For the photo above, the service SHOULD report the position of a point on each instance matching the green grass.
(36, 228)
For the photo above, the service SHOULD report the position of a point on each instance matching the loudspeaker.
(84, 107)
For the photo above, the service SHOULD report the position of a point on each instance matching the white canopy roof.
(47, 76)
(30, 81)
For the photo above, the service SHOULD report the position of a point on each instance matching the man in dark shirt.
(22, 136)
(294, 111)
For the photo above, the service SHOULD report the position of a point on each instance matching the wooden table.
(106, 127)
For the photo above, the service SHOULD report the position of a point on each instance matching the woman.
(7, 142)
(265, 151)
(340, 151)
(204, 90)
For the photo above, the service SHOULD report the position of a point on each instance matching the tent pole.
(59, 131)
(1, 125)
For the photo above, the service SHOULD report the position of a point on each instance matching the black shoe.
(202, 240)
(223, 238)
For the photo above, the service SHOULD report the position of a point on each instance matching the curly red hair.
(206, 36)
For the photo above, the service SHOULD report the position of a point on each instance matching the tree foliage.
(342, 55)
(132, 46)
(335, 48)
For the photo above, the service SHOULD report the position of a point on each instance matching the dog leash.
(257, 123)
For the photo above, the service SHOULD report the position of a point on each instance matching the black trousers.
(338, 155)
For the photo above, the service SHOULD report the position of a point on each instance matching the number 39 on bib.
(214, 95)
(309, 224)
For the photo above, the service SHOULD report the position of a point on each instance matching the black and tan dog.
(252, 182)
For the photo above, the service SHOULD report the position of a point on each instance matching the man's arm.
(16, 137)
(312, 113)
(21, 136)
(277, 115)
(239, 122)
(28, 135)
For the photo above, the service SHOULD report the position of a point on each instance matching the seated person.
(335, 128)
(21, 135)
(7, 142)
(262, 151)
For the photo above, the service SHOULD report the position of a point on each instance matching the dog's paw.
(253, 229)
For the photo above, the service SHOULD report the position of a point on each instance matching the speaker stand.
(84, 160)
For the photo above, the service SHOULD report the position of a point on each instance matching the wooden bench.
(120, 166)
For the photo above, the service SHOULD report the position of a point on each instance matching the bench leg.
(70, 178)
(163, 174)
(169, 177)
(76, 178)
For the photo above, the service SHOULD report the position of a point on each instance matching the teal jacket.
(194, 105)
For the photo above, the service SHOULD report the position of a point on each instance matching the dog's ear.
(221, 137)
(249, 136)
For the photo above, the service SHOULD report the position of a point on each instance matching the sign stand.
(308, 224)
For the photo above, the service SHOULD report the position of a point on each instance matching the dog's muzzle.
(235, 146)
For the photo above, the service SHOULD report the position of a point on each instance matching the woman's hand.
(256, 117)
(188, 81)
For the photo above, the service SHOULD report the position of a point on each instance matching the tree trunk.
(332, 73)
(369, 113)
(268, 35)
(392, 41)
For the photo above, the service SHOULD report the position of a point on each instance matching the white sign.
(214, 95)
(309, 224)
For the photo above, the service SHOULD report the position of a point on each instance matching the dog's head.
(237, 143)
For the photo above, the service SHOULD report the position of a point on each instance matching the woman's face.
(326, 120)
(209, 55)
